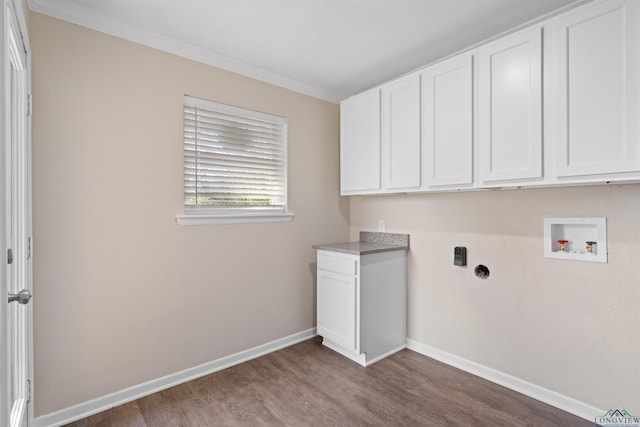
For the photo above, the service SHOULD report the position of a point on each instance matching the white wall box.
(400, 158)
(360, 143)
(577, 232)
(510, 107)
(447, 123)
(598, 89)
(362, 303)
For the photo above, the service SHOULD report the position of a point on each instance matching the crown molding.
(86, 17)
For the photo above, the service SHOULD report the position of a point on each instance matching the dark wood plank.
(309, 385)
(98, 420)
(189, 407)
(128, 415)
(158, 411)
(238, 400)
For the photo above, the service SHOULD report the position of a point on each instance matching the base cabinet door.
(598, 89)
(337, 309)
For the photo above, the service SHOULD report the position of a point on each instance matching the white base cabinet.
(362, 303)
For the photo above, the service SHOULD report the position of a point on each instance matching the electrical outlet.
(381, 225)
(460, 256)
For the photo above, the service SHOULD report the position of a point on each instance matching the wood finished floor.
(310, 385)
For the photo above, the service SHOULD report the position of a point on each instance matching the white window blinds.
(234, 159)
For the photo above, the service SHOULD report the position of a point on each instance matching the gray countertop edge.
(370, 243)
(359, 248)
(381, 238)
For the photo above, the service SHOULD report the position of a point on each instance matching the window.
(235, 164)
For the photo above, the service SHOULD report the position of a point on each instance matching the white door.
(400, 158)
(598, 89)
(337, 312)
(360, 143)
(16, 312)
(447, 123)
(510, 107)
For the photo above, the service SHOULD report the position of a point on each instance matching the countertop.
(369, 243)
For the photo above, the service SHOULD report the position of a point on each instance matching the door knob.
(21, 297)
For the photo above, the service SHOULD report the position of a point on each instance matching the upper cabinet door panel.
(598, 92)
(401, 134)
(360, 143)
(510, 107)
(447, 123)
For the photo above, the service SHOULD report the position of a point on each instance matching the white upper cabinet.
(360, 143)
(510, 107)
(597, 89)
(476, 120)
(447, 123)
(401, 134)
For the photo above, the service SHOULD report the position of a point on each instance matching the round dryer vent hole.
(482, 271)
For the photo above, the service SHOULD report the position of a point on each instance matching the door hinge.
(28, 247)
(29, 104)
(28, 390)
(9, 256)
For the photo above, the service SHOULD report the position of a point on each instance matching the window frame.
(201, 215)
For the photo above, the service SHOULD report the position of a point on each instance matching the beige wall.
(572, 327)
(123, 294)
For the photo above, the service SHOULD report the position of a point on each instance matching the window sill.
(205, 219)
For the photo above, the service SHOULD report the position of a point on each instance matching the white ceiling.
(329, 49)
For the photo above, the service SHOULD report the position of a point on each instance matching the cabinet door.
(401, 134)
(510, 107)
(447, 123)
(597, 89)
(360, 143)
(337, 309)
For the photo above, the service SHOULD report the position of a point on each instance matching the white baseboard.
(130, 394)
(542, 394)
